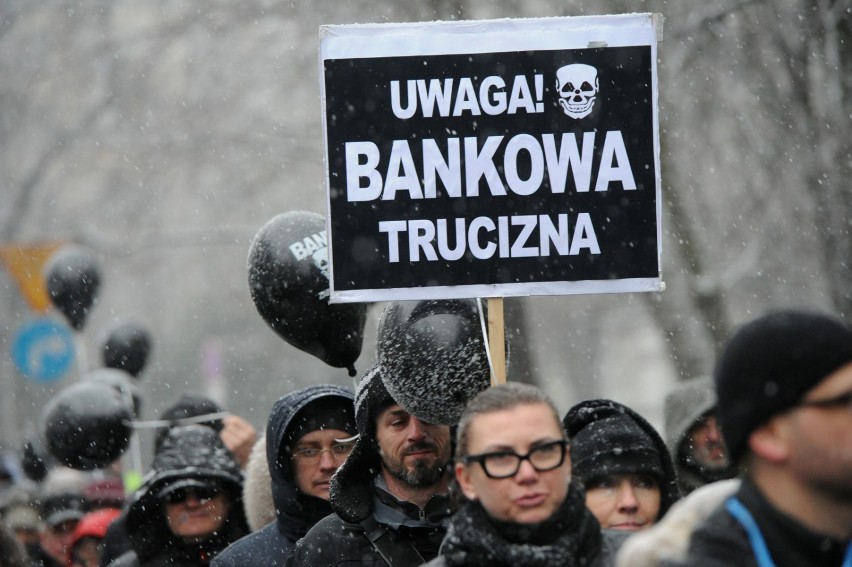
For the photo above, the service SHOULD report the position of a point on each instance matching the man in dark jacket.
(303, 451)
(189, 507)
(784, 383)
(390, 496)
(693, 435)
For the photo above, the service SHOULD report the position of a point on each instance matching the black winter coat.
(334, 541)
(720, 540)
(192, 451)
(272, 544)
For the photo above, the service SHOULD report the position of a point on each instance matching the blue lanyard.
(758, 544)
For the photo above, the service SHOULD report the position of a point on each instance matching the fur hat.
(769, 364)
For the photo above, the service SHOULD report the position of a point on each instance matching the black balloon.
(121, 382)
(432, 355)
(87, 425)
(127, 347)
(72, 280)
(288, 280)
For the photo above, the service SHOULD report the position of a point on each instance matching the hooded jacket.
(295, 514)
(358, 495)
(685, 405)
(188, 452)
(612, 449)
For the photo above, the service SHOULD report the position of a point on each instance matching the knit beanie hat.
(327, 412)
(769, 364)
(614, 445)
(609, 438)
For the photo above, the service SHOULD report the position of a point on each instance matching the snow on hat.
(350, 494)
(610, 438)
(770, 363)
(433, 356)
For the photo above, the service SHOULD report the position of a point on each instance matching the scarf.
(570, 537)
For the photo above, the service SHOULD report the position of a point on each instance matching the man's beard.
(421, 473)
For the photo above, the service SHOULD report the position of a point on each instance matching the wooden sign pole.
(497, 340)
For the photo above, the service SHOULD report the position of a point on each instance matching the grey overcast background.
(163, 135)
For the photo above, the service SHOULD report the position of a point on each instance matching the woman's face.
(529, 496)
(628, 502)
(194, 515)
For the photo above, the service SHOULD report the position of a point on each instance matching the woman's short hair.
(498, 398)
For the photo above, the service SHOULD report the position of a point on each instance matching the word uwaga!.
(371, 176)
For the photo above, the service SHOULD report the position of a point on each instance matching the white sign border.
(360, 41)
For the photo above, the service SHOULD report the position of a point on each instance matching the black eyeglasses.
(835, 402)
(503, 464)
(312, 455)
(202, 493)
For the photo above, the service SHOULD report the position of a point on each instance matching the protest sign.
(492, 158)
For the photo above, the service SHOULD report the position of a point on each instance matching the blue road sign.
(43, 349)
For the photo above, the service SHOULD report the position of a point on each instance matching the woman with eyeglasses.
(623, 464)
(189, 507)
(513, 467)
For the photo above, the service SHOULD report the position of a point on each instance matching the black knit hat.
(769, 364)
(609, 438)
(328, 412)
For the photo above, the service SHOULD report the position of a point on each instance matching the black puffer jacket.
(720, 540)
(191, 451)
(296, 513)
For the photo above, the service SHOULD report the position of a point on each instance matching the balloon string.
(175, 422)
(484, 324)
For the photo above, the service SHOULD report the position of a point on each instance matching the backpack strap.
(401, 553)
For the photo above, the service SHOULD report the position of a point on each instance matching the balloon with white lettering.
(126, 347)
(87, 425)
(288, 280)
(433, 357)
(72, 278)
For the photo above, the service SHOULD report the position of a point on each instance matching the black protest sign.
(524, 166)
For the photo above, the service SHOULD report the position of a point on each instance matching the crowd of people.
(753, 468)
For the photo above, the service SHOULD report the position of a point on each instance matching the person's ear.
(769, 441)
(465, 482)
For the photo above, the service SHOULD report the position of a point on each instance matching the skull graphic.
(577, 86)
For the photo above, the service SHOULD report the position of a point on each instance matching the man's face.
(704, 444)
(195, 513)
(529, 496)
(316, 457)
(819, 438)
(414, 452)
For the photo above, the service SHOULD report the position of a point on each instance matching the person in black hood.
(390, 497)
(189, 506)
(306, 441)
(623, 463)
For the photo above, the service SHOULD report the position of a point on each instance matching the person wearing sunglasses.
(308, 436)
(189, 507)
(622, 463)
(514, 469)
(784, 388)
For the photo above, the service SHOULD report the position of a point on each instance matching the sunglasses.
(203, 494)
